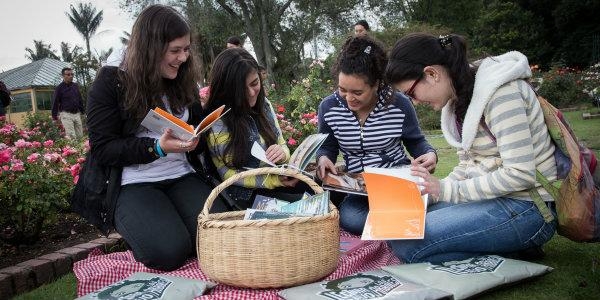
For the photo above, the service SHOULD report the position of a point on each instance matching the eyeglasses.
(411, 91)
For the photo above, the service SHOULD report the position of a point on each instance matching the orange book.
(158, 119)
(397, 209)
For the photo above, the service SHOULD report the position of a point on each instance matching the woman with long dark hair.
(144, 184)
(492, 116)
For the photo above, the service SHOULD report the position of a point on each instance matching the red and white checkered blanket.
(100, 270)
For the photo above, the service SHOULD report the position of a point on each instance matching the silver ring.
(181, 145)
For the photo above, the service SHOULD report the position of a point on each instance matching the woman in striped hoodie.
(368, 123)
(492, 116)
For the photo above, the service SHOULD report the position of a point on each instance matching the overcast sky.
(23, 21)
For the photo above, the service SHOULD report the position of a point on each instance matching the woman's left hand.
(428, 161)
(431, 185)
(275, 153)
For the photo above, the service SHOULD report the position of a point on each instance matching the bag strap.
(537, 198)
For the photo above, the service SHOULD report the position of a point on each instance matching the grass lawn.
(576, 266)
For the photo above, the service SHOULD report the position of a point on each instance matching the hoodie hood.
(492, 73)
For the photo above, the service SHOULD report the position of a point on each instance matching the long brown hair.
(228, 87)
(152, 31)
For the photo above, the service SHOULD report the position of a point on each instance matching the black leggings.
(159, 219)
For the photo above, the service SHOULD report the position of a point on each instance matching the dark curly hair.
(415, 51)
(362, 56)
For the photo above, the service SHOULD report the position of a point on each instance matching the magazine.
(301, 157)
(268, 204)
(272, 208)
(352, 183)
(158, 119)
(397, 209)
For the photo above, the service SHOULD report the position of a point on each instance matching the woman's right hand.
(324, 166)
(169, 143)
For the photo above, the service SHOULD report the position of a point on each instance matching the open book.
(301, 157)
(396, 207)
(352, 183)
(158, 119)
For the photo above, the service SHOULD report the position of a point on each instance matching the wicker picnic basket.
(267, 253)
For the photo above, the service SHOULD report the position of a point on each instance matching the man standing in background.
(4, 98)
(68, 105)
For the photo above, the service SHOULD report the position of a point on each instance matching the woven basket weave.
(267, 253)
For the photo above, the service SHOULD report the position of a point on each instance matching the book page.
(307, 150)
(353, 183)
(260, 153)
(396, 208)
(209, 120)
(157, 123)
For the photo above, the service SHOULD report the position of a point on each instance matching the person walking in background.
(369, 123)
(5, 98)
(151, 182)
(233, 42)
(492, 115)
(361, 28)
(67, 105)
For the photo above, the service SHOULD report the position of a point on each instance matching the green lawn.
(576, 266)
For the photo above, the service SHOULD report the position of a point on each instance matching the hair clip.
(368, 50)
(445, 40)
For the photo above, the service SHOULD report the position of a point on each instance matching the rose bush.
(36, 178)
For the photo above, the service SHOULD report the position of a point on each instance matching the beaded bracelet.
(157, 148)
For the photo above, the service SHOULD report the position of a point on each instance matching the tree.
(505, 26)
(68, 54)
(40, 50)
(86, 20)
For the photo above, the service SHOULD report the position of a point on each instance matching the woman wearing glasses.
(492, 116)
(369, 123)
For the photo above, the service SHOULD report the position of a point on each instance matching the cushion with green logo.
(376, 284)
(469, 277)
(147, 286)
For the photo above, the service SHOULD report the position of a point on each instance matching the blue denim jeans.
(353, 213)
(459, 231)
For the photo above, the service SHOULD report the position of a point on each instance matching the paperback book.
(397, 209)
(158, 119)
(301, 157)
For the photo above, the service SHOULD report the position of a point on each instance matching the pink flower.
(6, 167)
(17, 165)
(292, 141)
(205, 92)
(75, 179)
(33, 157)
(49, 143)
(68, 151)
(279, 116)
(81, 160)
(36, 144)
(314, 121)
(75, 169)
(5, 156)
(21, 143)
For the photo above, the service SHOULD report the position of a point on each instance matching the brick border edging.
(30, 274)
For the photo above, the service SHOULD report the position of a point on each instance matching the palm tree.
(40, 50)
(86, 20)
(68, 54)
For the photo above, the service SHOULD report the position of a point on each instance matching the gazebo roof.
(43, 72)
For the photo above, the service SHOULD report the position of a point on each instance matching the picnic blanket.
(100, 270)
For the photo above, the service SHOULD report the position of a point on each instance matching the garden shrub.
(563, 87)
(36, 178)
(429, 119)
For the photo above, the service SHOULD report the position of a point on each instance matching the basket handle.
(254, 172)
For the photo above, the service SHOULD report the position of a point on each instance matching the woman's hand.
(431, 185)
(428, 161)
(324, 166)
(169, 143)
(288, 181)
(275, 153)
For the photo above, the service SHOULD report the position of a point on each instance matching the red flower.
(280, 108)
(292, 141)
